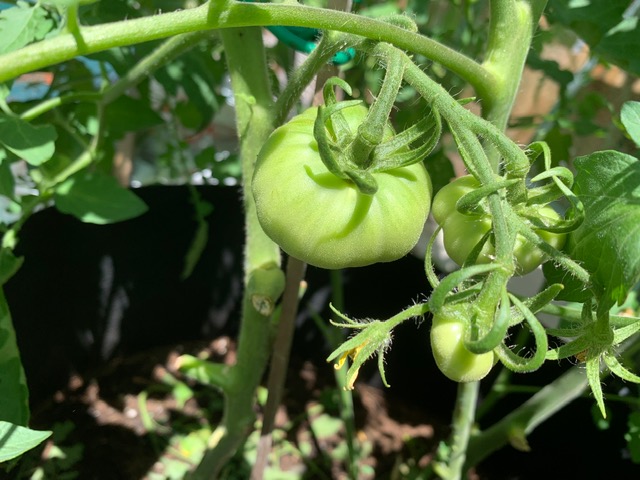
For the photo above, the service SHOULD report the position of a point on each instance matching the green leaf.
(573, 290)
(608, 242)
(127, 114)
(22, 25)
(95, 198)
(16, 440)
(630, 117)
(7, 180)
(9, 265)
(33, 143)
(604, 25)
(14, 394)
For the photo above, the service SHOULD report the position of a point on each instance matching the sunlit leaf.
(21, 25)
(16, 440)
(630, 116)
(34, 143)
(94, 198)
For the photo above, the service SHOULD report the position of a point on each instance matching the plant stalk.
(254, 118)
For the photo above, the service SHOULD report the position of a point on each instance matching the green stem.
(371, 130)
(522, 421)
(254, 118)
(279, 362)
(51, 103)
(511, 27)
(346, 396)
(463, 420)
(239, 14)
(304, 74)
(169, 50)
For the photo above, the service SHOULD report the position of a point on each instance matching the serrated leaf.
(608, 241)
(21, 25)
(95, 198)
(33, 143)
(14, 394)
(630, 117)
(16, 440)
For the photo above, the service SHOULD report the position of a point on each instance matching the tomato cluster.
(325, 220)
(462, 232)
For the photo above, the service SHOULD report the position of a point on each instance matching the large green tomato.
(447, 345)
(463, 232)
(325, 220)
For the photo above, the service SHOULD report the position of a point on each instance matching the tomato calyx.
(355, 155)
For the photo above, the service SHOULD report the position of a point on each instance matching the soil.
(108, 410)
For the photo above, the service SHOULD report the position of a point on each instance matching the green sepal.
(328, 153)
(469, 202)
(363, 180)
(397, 152)
(498, 330)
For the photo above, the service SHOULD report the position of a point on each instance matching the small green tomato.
(447, 345)
(463, 232)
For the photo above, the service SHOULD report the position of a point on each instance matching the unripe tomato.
(325, 220)
(447, 345)
(463, 232)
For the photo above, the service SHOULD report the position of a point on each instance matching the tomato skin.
(447, 345)
(325, 220)
(462, 232)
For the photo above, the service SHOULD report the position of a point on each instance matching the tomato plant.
(339, 186)
(325, 220)
(462, 232)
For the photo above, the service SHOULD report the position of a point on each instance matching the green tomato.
(326, 221)
(463, 232)
(447, 345)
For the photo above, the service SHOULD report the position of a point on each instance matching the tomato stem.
(371, 130)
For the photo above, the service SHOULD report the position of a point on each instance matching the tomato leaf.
(608, 242)
(94, 198)
(9, 265)
(33, 143)
(7, 180)
(16, 440)
(21, 25)
(606, 26)
(128, 114)
(630, 117)
(14, 407)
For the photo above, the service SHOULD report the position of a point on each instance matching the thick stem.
(254, 118)
(511, 29)
(239, 14)
(463, 419)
